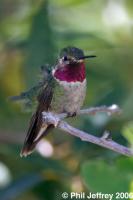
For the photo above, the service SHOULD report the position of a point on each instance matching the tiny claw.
(69, 114)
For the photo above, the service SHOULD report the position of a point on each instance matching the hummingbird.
(64, 91)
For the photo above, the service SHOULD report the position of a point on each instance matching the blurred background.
(32, 34)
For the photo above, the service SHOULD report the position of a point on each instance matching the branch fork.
(51, 118)
(105, 141)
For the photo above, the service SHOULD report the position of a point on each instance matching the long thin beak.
(84, 57)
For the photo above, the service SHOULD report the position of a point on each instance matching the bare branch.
(113, 109)
(105, 141)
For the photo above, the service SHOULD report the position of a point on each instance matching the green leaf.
(128, 132)
(100, 177)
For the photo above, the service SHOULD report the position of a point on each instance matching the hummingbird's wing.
(28, 98)
(37, 128)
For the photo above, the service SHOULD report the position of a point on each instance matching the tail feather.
(35, 133)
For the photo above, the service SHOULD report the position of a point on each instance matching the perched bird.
(64, 91)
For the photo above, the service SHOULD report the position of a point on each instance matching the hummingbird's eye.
(65, 58)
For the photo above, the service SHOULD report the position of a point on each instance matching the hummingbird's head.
(72, 56)
(71, 66)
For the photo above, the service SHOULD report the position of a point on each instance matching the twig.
(104, 141)
(113, 109)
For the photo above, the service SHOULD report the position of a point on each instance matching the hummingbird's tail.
(36, 131)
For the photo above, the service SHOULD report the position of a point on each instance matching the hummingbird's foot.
(69, 114)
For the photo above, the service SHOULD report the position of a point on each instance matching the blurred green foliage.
(115, 180)
(31, 34)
